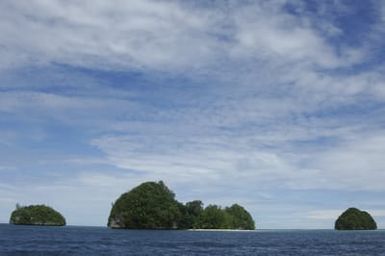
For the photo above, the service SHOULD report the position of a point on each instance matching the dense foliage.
(152, 205)
(239, 218)
(36, 215)
(234, 217)
(190, 213)
(354, 219)
(213, 217)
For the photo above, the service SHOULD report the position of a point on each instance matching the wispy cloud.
(81, 34)
(224, 101)
(162, 35)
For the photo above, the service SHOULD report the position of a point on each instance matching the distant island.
(36, 215)
(355, 219)
(152, 205)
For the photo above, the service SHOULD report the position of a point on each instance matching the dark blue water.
(30, 240)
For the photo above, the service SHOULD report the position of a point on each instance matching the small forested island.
(152, 205)
(355, 219)
(36, 215)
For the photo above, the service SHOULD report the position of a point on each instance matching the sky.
(275, 105)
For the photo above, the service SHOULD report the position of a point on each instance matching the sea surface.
(70, 240)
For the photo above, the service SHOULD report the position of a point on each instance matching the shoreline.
(221, 230)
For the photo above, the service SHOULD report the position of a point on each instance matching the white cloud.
(282, 37)
(158, 35)
(105, 34)
(325, 214)
(356, 165)
(265, 158)
(30, 106)
(258, 122)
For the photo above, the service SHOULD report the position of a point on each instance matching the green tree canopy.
(194, 208)
(354, 219)
(190, 213)
(36, 215)
(234, 217)
(239, 218)
(212, 217)
(150, 205)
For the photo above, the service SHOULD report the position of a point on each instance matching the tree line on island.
(152, 205)
(36, 215)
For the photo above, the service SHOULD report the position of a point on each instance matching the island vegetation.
(152, 205)
(355, 219)
(37, 215)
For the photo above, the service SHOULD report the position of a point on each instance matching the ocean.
(73, 240)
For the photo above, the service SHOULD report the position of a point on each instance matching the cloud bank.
(265, 103)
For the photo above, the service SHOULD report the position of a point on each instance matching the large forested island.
(152, 205)
(355, 219)
(36, 215)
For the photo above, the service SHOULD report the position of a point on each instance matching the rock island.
(355, 219)
(37, 215)
(152, 205)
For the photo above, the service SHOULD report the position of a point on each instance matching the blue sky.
(276, 105)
